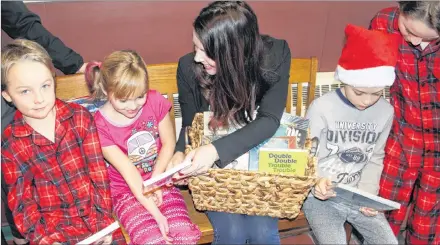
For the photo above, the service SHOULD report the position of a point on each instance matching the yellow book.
(286, 161)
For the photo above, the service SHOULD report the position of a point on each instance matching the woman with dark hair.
(412, 154)
(233, 72)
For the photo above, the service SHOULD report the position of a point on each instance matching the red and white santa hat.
(368, 58)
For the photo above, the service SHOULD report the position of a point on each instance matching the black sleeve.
(8, 113)
(186, 102)
(267, 121)
(19, 22)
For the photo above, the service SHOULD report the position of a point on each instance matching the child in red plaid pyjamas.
(51, 156)
(412, 154)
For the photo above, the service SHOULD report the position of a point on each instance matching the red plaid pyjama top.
(59, 192)
(415, 96)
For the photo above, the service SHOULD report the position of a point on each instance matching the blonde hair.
(23, 50)
(122, 74)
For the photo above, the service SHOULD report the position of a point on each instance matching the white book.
(153, 183)
(100, 234)
(165, 177)
(363, 198)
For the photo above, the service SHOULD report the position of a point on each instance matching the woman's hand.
(323, 189)
(370, 212)
(202, 160)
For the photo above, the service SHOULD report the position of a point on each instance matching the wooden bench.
(162, 77)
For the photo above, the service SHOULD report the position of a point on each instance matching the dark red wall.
(161, 30)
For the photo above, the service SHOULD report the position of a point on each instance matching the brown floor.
(303, 238)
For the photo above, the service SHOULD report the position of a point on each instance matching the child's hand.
(176, 160)
(107, 240)
(323, 189)
(163, 226)
(158, 216)
(151, 195)
(157, 197)
(370, 212)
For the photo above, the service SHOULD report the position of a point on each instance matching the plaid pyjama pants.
(421, 186)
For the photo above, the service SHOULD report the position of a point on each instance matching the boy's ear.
(6, 96)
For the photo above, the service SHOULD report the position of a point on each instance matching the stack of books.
(283, 153)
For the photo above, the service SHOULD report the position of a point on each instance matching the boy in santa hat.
(352, 124)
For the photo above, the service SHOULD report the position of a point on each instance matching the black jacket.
(19, 22)
(270, 109)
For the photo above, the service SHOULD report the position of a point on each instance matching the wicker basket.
(247, 192)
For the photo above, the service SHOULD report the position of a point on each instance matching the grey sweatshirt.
(351, 141)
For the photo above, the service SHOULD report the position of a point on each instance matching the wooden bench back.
(302, 71)
(162, 77)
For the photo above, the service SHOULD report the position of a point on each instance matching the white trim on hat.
(380, 76)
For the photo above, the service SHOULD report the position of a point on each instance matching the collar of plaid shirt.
(21, 129)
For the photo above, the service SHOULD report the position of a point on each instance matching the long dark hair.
(228, 31)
